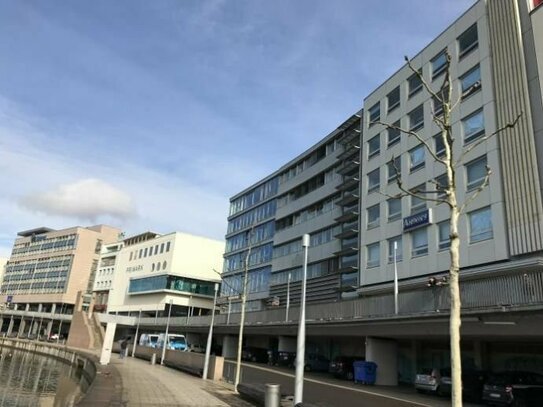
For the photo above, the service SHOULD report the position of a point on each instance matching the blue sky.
(149, 115)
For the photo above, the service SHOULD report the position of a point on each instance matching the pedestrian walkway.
(147, 385)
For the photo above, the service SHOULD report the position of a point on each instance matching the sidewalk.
(147, 385)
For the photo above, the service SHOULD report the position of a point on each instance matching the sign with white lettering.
(417, 220)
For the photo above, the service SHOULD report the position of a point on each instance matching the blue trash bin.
(365, 372)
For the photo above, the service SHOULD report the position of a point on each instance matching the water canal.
(31, 379)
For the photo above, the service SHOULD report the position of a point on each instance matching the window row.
(44, 244)
(149, 251)
(257, 281)
(466, 42)
(306, 214)
(308, 162)
(316, 239)
(473, 127)
(480, 228)
(475, 173)
(253, 216)
(259, 255)
(175, 283)
(255, 235)
(255, 196)
(307, 187)
(314, 270)
(30, 266)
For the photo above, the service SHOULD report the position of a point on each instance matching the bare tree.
(446, 193)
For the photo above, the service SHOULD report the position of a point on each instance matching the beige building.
(48, 267)
(152, 270)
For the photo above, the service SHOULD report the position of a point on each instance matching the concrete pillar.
(384, 352)
(49, 328)
(105, 356)
(27, 307)
(10, 326)
(230, 346)
(53, 308)
(40, 306)
(287, 344)
(34, 329)
(21, 326)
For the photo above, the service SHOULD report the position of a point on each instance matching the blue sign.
(9, 299)
(417, 220)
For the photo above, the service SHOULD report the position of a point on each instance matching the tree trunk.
(455, 319)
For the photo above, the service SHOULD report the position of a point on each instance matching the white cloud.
(84, 199)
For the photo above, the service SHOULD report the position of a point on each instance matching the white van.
(175, 342)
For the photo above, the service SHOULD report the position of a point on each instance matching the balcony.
(351, 151)
(348, 166)
(348, 199)
(348, 183)
(348, 216)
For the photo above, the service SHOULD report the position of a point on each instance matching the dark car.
(254, 354)
(472, 384)
(273, 355)
(315, 362)
(285, 358)
(342, 366)
(514, 389)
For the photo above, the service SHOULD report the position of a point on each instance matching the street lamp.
(210, 335)
(166, 335)
(288, 296)
(300, 349)
(395, 279)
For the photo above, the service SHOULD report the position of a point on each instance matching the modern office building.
(152, 271)
(48, 268)
(103, 281)
(315, 193)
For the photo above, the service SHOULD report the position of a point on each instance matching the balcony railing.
(492, 293)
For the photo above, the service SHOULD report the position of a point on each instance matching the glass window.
(168, 246)
(394, 169)
(162, 248)
(419, 242)
(373, 255)
(394, 209)
(473, 126)
(399, 249)
(164, 264)
(471, 81)
(393, 99)
(394, 134)
(439, 145)
(416, 118)
(476, 173)
(441, 184)
(145, 252)
(375, 113)
(439, 63)
(437, 107)
(373, 216)
(140, 253)
(417, 157)
(158, 266)
(414, 85)
(131, 253)
(374, 180)
(467, 41)
(444, 237)
(156, 249)
(374, 146)
(480, 225)
(418, 204)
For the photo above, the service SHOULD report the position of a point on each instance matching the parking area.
(324, 390)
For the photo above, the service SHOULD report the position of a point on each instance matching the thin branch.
(414, 134)
(476, 193)
(422, 80)
(481, 140)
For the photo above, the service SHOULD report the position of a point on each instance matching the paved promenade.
(142, 384)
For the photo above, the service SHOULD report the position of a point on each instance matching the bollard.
(153, 359)
(273, 395)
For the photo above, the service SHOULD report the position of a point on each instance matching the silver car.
(429, 380)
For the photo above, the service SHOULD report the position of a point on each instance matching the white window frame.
(474, 87)
(485, 234)
(395, 140)
(370, 263)
(391, 171)
(396, 215)
(475, 183)
(374, 113)
(376, 151)
(418, 125)
(418, 251)
(373, 223)
(419, 207)
(374, 187)
(472, 46)
(443, 240)
(441, 68)
(415, 166)
(468, 138)
(391, 107)
(414, 91)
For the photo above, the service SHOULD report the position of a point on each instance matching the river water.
(29, 379)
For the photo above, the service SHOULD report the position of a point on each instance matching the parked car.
(254, 354)
(315, 362)
(472, 384)
(286, 358)
(514, 389)
(342, 366)
(273, 356)
(196, 347)
(429, 380)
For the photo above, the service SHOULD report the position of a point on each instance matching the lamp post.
(136, 337)
(210, 335)
(300, 349)
(395, 278)
(166, 335)
(288, 296)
